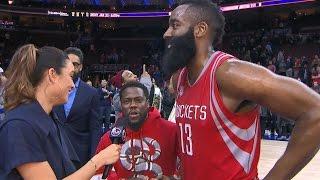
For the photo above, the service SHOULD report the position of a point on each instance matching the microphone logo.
(116, 131)
(118, 134)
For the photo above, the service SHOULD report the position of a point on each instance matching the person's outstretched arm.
(240, 81)
(42, 170)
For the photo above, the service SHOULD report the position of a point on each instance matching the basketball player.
(218, 97)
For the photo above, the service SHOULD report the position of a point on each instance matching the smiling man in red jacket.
(150, 148)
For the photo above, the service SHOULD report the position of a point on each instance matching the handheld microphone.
(117, 136)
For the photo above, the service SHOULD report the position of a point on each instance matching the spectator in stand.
(105, 95)
(282, 67)
(305, 75)
(289, 67)
(271, 66)
(316, 87)
(157, 75)
(318, 68)
(316, 61)
(122, 56)
(280, 56)
(297, 66)
(305, 60)
(316, 74)
(113, 58)
(155, 97)
(269, 48)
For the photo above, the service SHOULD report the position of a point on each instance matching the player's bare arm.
(241, 81)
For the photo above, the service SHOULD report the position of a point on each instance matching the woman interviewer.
(33, 144)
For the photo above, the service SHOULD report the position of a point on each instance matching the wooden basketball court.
(271, 152)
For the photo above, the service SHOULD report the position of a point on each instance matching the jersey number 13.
(186, 133)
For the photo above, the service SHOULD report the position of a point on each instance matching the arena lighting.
(6, 23)
(93, 14)
(164, 14)
(58, 13)
(138, 14)
(10, 2)
(107, 15)
(281, 2)
(262, 4)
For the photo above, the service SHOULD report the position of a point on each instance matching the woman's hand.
(109, 155)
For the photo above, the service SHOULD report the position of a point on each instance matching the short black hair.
(134, 84)
(209, 12)
(76, 51)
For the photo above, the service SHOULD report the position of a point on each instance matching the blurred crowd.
(276, 46)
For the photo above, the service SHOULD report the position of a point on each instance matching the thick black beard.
(178, 53)
(135, 126)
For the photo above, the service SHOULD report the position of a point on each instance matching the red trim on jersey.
(250, 129)
(218, 97)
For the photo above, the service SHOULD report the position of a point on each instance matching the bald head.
(128, 76)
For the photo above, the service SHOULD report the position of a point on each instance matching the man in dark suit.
(80, 114)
